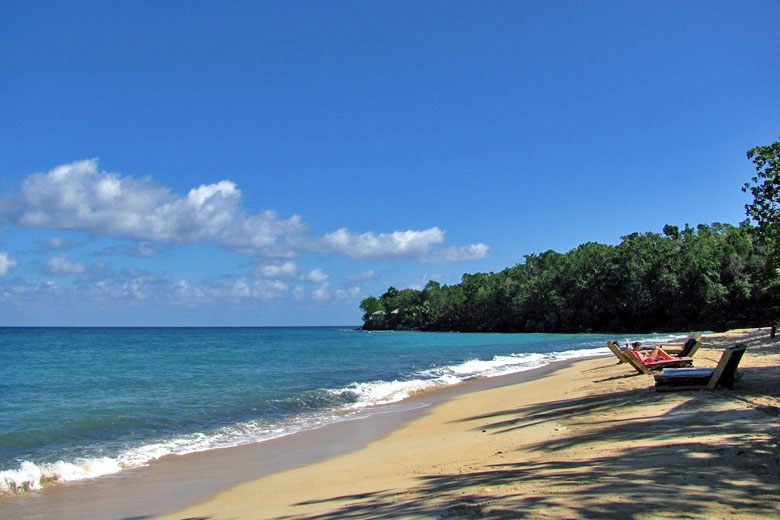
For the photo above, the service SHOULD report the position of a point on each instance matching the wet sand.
(591, 439)
(175, 482)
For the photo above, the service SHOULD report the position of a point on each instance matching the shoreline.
(590, 439)
(507, 446)
(176, 481)
(251, 413)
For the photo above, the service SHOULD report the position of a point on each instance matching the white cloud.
(244, 289)
(457, 254)
(6, 263)
(133, 286)
(61, 266)
(80, 197)
(351, 293)
(286, 270)
(145, 286)
(385, 246)
(321, 293)
(186, 294)
(361, 277)
(240, 289)
(77, 196)
(316, 275)
(140, 288)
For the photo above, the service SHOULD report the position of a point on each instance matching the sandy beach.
(590, 440)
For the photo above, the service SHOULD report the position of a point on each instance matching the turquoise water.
(77, 403)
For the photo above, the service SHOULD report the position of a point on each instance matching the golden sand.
(591, 440)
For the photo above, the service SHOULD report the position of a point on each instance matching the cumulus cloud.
(286, 270)
(316, 275)
(139, 288)
(246, 289)
(233, 290)
(133, 286)
(321, 293)
(137, 285)
(186, 294)
(80, 197)
(61, 266)
(457, 254)
(384, 246)
(6, 263)
(351, 293)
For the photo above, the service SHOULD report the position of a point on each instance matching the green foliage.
(369, 306)
(765, 189)
(711, 277)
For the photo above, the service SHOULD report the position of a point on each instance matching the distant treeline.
(712, 277)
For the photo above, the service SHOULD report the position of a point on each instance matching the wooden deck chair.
(613, 346)
(628, 356)
(659, 364)
(691, 346)
(688, 348)
(724, 374)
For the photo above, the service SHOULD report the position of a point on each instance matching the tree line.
(712, 277)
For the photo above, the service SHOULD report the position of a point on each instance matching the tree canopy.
(765, 188)
(712, 277)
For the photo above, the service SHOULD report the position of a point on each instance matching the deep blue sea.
(77, 403)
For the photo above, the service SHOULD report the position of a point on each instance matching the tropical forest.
(709, 277)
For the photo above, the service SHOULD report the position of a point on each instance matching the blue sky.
(272, 163)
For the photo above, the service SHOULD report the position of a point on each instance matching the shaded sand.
(590, 440)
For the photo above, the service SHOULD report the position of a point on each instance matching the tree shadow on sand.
(662, 466)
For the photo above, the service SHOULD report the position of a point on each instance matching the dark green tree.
(369, 306)
(765, 188)
(710, 277)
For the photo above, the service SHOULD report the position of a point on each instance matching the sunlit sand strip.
(592, 439)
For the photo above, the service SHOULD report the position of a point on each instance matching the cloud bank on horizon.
(79, 197)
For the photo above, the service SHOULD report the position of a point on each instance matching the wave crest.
(343, 403)
(30, 476)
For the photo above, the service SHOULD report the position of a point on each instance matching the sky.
(272, 163)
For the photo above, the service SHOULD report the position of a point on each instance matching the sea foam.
(30, 476)
(349, 402)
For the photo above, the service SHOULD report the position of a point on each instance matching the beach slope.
(591, 440)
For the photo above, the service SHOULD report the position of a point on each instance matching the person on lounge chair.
(656, 354)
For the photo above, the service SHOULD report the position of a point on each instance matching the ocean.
(78, 403)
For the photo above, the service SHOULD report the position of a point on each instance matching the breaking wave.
(314, 409)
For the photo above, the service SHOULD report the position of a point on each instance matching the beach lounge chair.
(687, 349)
(613, 346)
(647, 367)
(659, 364)
(724, 374)
(691, 346)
